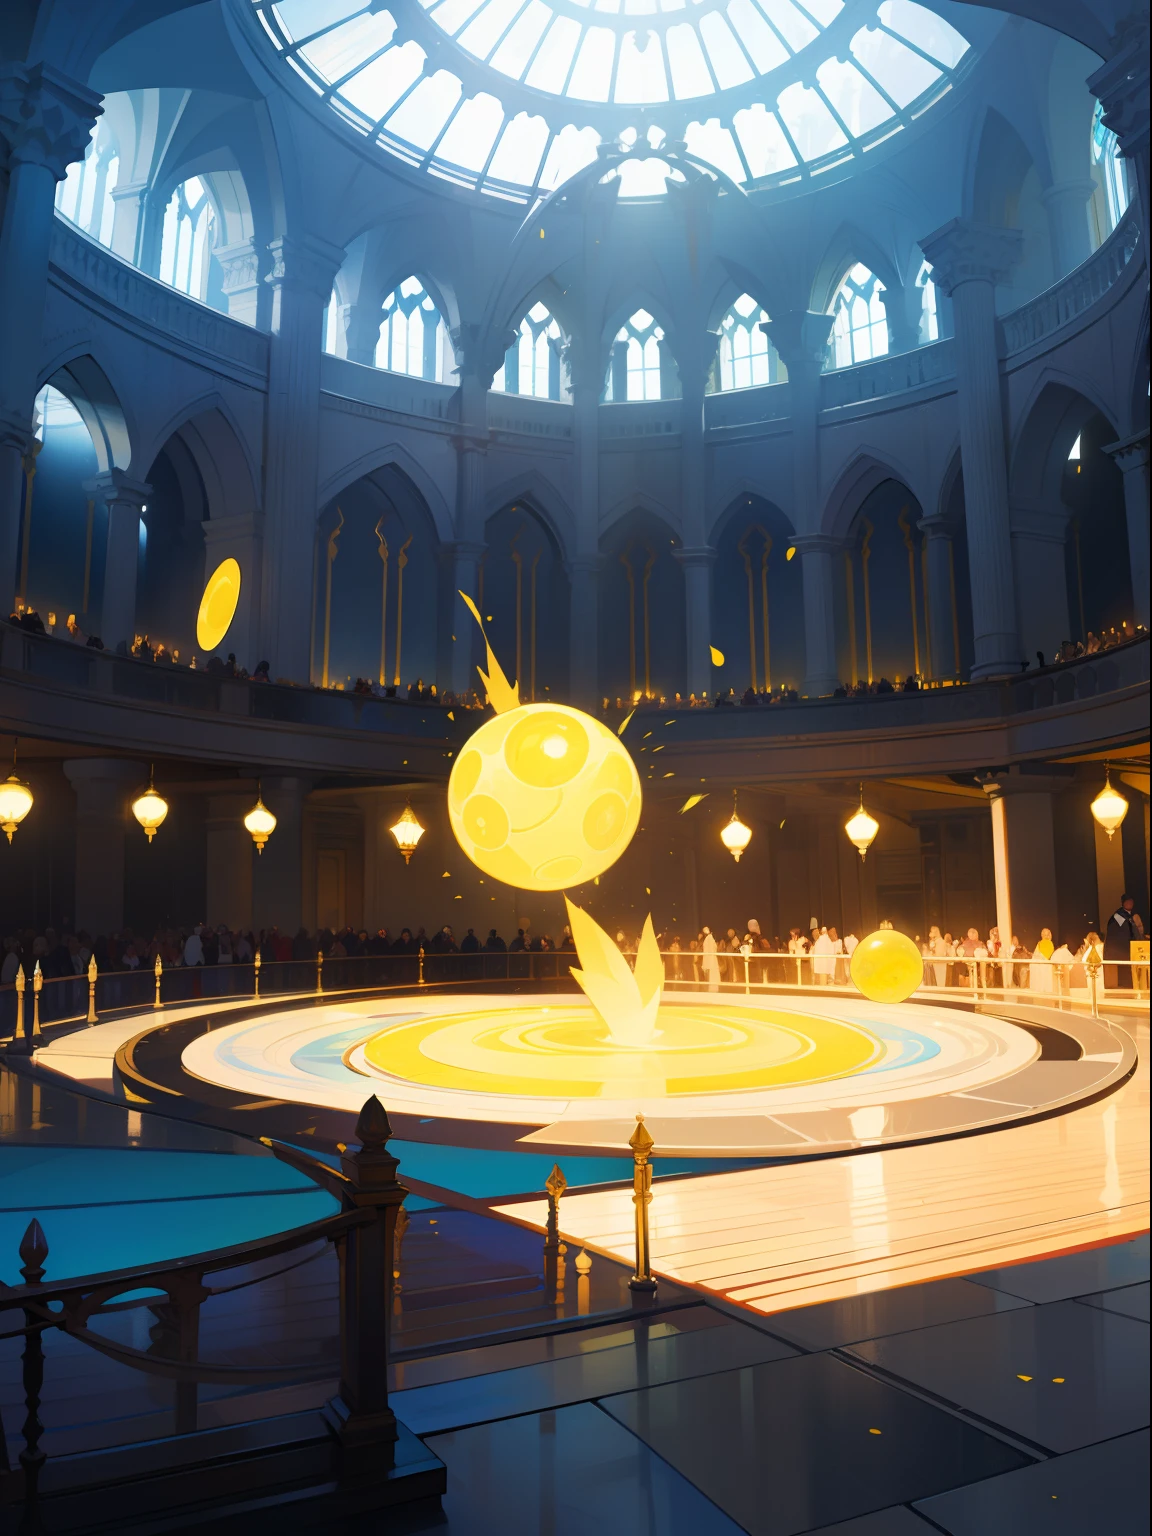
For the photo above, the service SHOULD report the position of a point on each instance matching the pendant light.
(150, 808)
(260, 822)
(1109, 806)
(735, 835)
(407, 832)
(861, 829)
(15, 799)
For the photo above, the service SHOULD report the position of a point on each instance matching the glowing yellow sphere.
(544, 797)
(218, 605)
(886, 966)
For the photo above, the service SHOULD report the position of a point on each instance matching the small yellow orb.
(544, 797)
(886, 966)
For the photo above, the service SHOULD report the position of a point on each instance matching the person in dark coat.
(1118, 937)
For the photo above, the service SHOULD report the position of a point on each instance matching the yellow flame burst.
(627, 1001)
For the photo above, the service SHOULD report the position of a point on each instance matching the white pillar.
(45, 120)
(697, 563)
(1121, 88)
(1066, 204)
(968, 260)
(128, 200)
(583, 359)
(941, 608)
(229, 857)
(240, 264)
(1000, 863)
(1038, 541)
(125, 499)
(103, 788)
(1131, 458)
(278, 875)
(301, 283)
(817, 552)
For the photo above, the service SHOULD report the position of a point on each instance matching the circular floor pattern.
(725, 1076)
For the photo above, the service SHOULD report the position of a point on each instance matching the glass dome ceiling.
(512, 97)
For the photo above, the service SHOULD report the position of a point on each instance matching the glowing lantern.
(15, 800)
(1109, 806)
(862, 828)
(150, 809)
(407, 832)
(260, 822)
(735, 835)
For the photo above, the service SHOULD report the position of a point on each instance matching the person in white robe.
(1040, 976)
(711, 963)
(823, 959)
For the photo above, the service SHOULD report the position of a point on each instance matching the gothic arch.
(546, 502)
(855, 483)
(212, 436)
(1057, 410)
(77, 374)
(405, 461)
(848, 245)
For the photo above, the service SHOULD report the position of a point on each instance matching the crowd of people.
(712, 958)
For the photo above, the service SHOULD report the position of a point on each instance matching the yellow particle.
(875, 1431)
(445, 876)
(451, 716)
(717, 656)
(1059, 1380)
(660, 748)
(1022, 1378)
(669, 775)
(457, 898)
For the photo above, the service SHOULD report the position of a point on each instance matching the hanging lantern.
(1109, 806)
(862, 828)
(735, 835)
(150, 808)
(15, 800)
(407, 832)
(260, 822)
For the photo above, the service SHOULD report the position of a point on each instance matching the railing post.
(420, 966)
(555, 1184)
(360, 1416)
(397, 1246)
(319, 970)
(158, 968)
(19, 1037)
(92, 974)
(641, 1143)
(256, 973)
(37, 988)
(33, 1252)
(1093, 966)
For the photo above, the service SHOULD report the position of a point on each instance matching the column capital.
(695, 555)
(305, 264)
(113, 485)
(936, 527)
(45, 117)
(585, 565)
(1129, 453)
(816, 544)
(1038, 523)
(963, 251)
(479, 352)
(241, 525)
(239, 264)
(15, 430)
(1121, 85)
(1076, 192)
(464, 549)
(799, 335)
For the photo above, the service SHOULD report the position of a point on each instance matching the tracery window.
(412, 333)
(636, 366)
(746, 356)
(929, 318)
(860, 328)
(85, 195)
(532, 362)
(188, 237)
(1106, 155)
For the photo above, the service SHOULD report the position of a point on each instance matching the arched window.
(412, 333)
(188, 238)
(85, 195)
(1107, 159)
(860, 331)
(746, 358)
(636, 365)
(532, 362)
(929, 320)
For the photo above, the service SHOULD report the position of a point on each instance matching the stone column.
(902, 308)
(1121, 88)
(278, 875)
(361, 323)
(587, 375)
(941, 608)
(242, 538)
(103, 788)
(45, 120)
(125, 499)
(240, 264)
(1024, 859)
(817, 552)
(1066, 204)
(968, 260)
(128, 200)
(463, 575)
(697, 561)
(230, 857)
(584, 618)
(301, 283)
(1038, 540)
(801, 338)
(1000, 866)
(1131, 458)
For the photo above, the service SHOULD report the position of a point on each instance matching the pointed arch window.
(188, 237)
(1110, 166)
(532, 364)
(746, 356)
(929, 317)
(860, 326)
(412, 334)
(639, 364)
(84, 197)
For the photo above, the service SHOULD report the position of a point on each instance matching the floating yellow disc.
(218, 605)
(886, 966)
(544, 797)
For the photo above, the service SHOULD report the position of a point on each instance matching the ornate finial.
(640, 1141)
(33, 1252)
(583, 1263)
(372, 1128)
(556, 1183)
